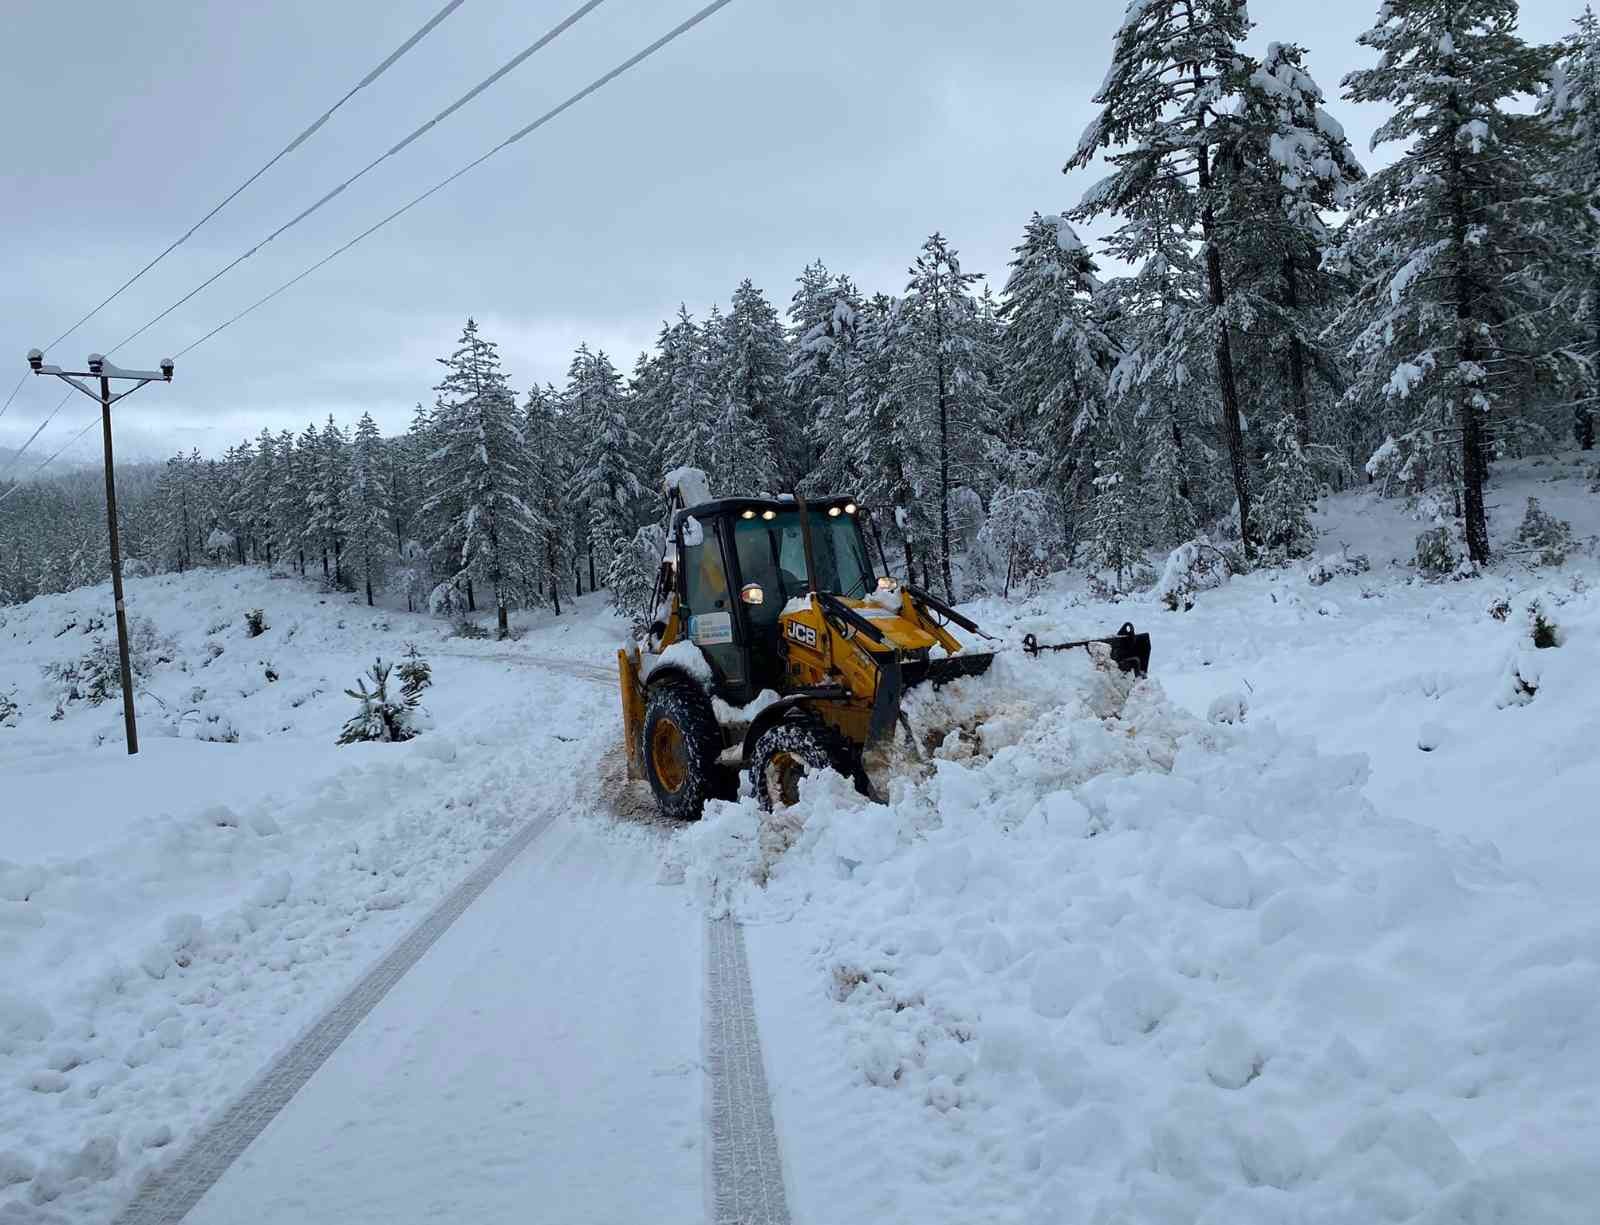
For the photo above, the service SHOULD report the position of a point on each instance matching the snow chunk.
(690, 658)
(690, 484)
(1230, 707)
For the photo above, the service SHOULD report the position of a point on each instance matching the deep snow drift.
(1115, 957)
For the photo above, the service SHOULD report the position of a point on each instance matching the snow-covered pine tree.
(368, 525)
(180, 511)
(1571, 105)
(755, 361)
(1172, 518)
(480, 473)
(1289, 494)
(742, 458)
(1057, 357)
(325, 498)
(550, 472)
(1459, 243)
(1167, 106)
(604, 484)
(680, 394)
(944, 384)
(1116, 531)
(822, 320)
(261, 491)
(1284, 165)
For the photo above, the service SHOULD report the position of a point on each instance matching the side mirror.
(752, 593)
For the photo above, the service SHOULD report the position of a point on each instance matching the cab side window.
(705, 581)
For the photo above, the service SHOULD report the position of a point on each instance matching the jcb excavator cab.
(774, 647)
(742, 563)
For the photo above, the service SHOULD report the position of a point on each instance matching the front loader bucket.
(1130, 651)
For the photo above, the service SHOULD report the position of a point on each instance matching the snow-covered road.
(541, 1062)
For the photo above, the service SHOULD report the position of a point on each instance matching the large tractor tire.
(786, 752)
(681, 745)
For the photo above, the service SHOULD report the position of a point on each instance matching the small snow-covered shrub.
(1331, 565)
(255, 622)
(416, 674)
(381, 717)
(215, 726)
(96, 675)
(1195, 565)
(1543, 533)
(10, 712)
(1541, 626)
(464, 628)
(1499, 607)
(1437, 555)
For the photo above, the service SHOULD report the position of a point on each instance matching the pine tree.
(550, 473)
(1057, 356)
(1167, 107)
(604, 484)
(1572, 107)
(1459, 241)
(1283, 166)
(1116, 535)
(289, 515)
(367, 525)
(822, 323)
(326, 496)
(261, 492)
(480, 474)
(755, 359)
(679, 389)
(1289, 494)
(939, 317)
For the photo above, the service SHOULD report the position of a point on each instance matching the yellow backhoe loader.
(775, 649)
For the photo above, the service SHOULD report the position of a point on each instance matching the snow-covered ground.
(1107, 959)
(1338, 961)
(170, 921)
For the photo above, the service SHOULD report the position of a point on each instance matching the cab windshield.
(772, 553)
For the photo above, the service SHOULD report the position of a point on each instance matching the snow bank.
(1107, 961)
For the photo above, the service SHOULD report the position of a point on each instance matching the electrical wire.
(548, 37)
(52, 459)
(13, 394)
(598, 83)
(294, 144)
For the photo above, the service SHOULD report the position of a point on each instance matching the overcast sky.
(775, 134)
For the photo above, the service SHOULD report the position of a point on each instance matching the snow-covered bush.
(255, 622)
(96, 675)
(215, 725)
(1499, 608)
(1013, 545)
(381, 717)
(1437, 554)
(1195, 565)
(10, 712)
(1543, 533)
(1331, 565)
(1540, 624)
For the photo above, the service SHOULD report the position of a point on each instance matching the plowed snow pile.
(1107, 962)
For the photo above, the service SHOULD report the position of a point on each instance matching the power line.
(294, 144)
(548, 37)
(598, 83)
(13, 394)
(93, 421)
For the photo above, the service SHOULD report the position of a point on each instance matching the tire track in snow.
(169, 1192)
(577, 668)
(746, 1163)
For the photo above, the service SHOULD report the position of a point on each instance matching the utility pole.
(104, 370)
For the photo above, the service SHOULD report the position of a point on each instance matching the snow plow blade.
(942, 671)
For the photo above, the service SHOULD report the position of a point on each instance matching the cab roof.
(723, 506)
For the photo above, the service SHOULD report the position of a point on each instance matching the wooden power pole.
(104, 370)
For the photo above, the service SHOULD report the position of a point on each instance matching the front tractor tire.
(787, 752)
(681, 744)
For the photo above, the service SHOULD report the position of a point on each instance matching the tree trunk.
(1298, 398)
(1232, 428)
(944, 459)
(472, 603)
(324, 561)
(369, 591)
(555, 572)
(1467, 416)
(593, 586)
(504, 623)
(1583, 423)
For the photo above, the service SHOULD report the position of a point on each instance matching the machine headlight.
(749, 514)
(849, 508)
(769, 514)
(887, 584)
(833, 512)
